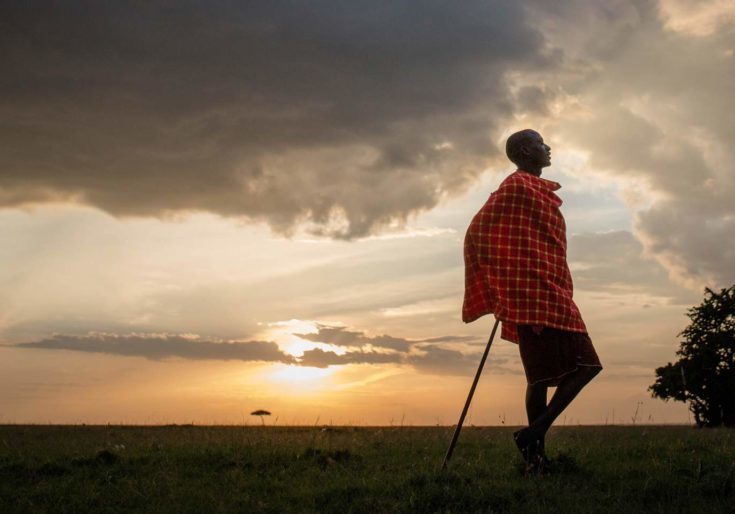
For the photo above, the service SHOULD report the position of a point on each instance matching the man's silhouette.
(516, 268)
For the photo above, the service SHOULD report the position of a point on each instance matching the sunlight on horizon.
(284, 334)
(306, 378)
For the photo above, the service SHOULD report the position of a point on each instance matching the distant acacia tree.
(261, 413)
(704, 375)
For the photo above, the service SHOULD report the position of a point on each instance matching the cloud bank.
(341, 336)
(425, 356)
(344, 118)
(163, 346)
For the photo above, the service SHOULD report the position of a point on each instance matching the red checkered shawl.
(515, 255)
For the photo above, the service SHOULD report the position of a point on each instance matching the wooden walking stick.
(469, 397)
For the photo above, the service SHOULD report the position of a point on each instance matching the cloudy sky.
(208, 208)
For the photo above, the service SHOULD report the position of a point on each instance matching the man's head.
(527, 150)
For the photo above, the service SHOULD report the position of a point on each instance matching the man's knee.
(536, 389)
(590, 371)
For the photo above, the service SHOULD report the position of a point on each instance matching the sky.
(209, 208)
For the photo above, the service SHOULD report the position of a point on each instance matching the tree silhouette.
(261, 413)
(704, 375)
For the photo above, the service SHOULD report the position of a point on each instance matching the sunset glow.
(205, 211)
(296, 378)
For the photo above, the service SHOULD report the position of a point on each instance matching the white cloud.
(697, 17)
(654, 113)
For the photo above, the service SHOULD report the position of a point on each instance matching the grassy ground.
(353, 469)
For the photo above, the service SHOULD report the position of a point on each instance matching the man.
(516, 268)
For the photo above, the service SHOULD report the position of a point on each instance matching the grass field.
(354, 469)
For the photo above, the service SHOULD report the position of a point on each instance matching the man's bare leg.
(536, 404)
(568, 389)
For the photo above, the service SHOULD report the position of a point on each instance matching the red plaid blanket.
(515, 254)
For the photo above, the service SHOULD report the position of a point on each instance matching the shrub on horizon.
(704, 375)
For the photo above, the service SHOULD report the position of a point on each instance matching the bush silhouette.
(704, 375)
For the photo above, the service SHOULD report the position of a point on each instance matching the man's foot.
(539, 465)
(531, 447)
(529, 444)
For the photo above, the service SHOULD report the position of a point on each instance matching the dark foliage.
(704, 375)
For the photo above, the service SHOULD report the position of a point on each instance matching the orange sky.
(208, 210)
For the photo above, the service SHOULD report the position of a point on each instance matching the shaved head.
(515, 142)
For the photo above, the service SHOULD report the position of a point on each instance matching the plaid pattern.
(515, 254)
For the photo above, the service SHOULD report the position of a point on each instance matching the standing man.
(515, 255)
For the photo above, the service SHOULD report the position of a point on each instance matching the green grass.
(354, 469)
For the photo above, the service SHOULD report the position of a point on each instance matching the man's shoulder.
(512, 191)
(529, 187)
(524, 179)
(515, 183)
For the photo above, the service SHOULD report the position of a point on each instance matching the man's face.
(537, 152)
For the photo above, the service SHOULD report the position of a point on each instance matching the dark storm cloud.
(534, 100)
(164, 346)
(343, 114)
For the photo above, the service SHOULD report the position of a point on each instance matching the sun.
(284, 334)
(301, 375)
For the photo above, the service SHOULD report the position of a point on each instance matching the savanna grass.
(354, 469)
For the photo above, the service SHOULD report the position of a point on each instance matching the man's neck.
(532, 170)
